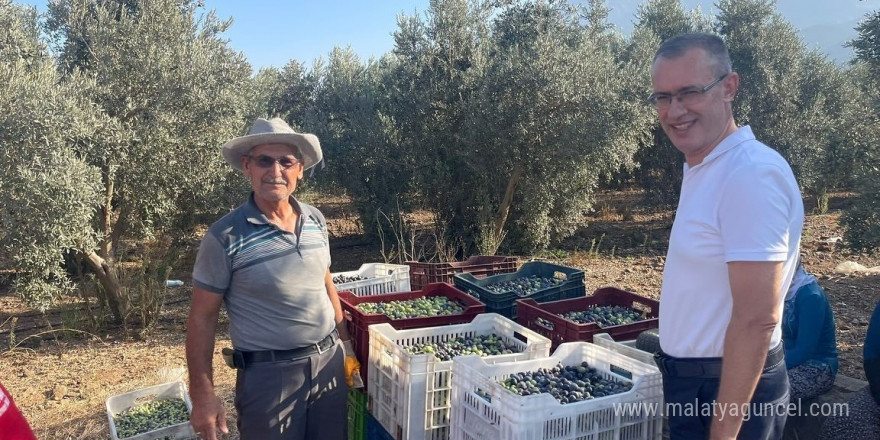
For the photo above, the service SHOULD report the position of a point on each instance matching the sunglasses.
(264, 161)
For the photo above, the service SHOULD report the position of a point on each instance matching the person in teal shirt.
(809, 337)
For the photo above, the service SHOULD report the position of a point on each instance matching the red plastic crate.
(422, 274)
(359, 322)
(563, 330)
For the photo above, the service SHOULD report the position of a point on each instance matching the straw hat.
(273, 131)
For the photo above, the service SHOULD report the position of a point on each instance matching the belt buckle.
(318, 344)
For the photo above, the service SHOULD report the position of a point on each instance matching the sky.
(272, 32)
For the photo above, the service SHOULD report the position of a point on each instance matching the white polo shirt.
(741, 203)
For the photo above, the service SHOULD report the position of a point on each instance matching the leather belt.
(707, 367)
(241, 359)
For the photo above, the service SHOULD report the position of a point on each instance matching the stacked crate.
(504, 303)
(410, 394)
(376, 278)
(357, 414)
(544, 317)
(359, 322)
(479, 266)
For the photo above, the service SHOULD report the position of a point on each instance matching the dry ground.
(62, 380)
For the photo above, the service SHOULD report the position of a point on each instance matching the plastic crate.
(380, 278)
(560, 330)
(171, 390)
(410, 394)
(504, 303)
(480, 266)
(504, 415)
(359, 322)
(626, 348)
(357, 414)
(375, 431)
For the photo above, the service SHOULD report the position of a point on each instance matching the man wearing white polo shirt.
(733, 249)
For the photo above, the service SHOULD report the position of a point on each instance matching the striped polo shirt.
(272, 281)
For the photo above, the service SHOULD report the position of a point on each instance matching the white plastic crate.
(410, 394)
(626, 348)
(504, 415)
(171, 390)
(380, 278)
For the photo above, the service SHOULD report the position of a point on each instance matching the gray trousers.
(295, 399)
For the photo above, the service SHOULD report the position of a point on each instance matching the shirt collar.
(254, 216)
(739, 136)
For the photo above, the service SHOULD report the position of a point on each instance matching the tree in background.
(660, 163)
(437, 65)
(863, 219)
(555, 114)
(170, 91)
(795, 100)
(360, 157)
(50, 192)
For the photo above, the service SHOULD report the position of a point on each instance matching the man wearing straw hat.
(268, 262)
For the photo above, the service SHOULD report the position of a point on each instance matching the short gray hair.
(712, 44)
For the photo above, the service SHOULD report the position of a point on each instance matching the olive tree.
(432, 74)
(660, 171)
(796, 100)
(556, 112)
(347, 117)
(50, 192)
(863, 219)
(172, 90)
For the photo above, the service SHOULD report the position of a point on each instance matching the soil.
(61, 379)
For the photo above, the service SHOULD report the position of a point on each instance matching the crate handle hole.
(621, 371)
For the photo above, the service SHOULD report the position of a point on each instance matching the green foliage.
(813, 117)
(44, 125)
(863, 219)
(360, 158)
(660, 163)
(123, 145)
(867, 45)
(511, 122)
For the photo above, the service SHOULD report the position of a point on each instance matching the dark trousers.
(297, 399)
(690, 387)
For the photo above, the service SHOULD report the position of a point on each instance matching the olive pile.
(545, 323)
(413, 308)
(150, 416)
(341, 279)
(524, 286)
(569, 384)
(606, 316)
(489, 345)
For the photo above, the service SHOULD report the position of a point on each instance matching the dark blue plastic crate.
(504, 303)
(375, 431)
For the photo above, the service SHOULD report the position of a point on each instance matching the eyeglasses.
(264, 161)
(690, 95)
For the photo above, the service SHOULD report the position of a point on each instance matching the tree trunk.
(822, 200)
(107, 218)
(109, 282)
(504, 207)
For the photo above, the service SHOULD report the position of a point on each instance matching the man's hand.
(207, 416)
(352, 367)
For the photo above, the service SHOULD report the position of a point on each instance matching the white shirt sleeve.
(755, 213)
